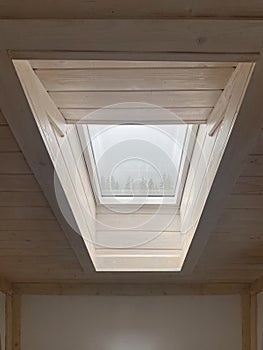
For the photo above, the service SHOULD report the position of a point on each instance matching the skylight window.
(136, 161)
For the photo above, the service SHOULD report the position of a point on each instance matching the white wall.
(260, 321)
(131, 323)
(2, 319)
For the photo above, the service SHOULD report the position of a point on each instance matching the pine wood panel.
(131, 9)
(29, 225)
(7, 141)
(254, 166)
(22, 199)
(186, 115)
(35, 237)
(13, 163)
(93, 99)
(88, 64)
(19, 213)
(134, 79)
(249, 185)
(18, 182)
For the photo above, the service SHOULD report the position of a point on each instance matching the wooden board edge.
(124, 289)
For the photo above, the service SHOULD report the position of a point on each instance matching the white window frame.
(175, 200)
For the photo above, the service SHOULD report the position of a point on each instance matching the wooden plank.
(157, 263)
(30, 250)
(181, 115)
(20, 213)
(82, 99)
(138, 222)
(134, 79)
(135, 253)
(7, 140)
(249, 185)
(130, 289)
(8, 322)
(13, 163)
(249, 322)
(118, 9)
(22, 199)
(221, 36)
(33, 237)
(219, 111)
(135, 56)
(87, 64)
(254, 166)
(258, 145)
(250, 201)
(29, 225)
(21, 183)
(254, 322)
(16, 322)
(42, 264)
(138, 239)
(13, 322)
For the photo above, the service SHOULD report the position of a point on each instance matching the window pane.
(137, 160)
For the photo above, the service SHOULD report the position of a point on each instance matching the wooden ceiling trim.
(120, 64)
(89, 115)
(221, 36)
(124, 289)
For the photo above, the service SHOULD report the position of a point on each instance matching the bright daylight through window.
(132, 161)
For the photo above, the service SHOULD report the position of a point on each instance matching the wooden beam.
(183, 115)
(137, 9)
(130, 289)
(13, 322)
(22, 124)
(219, 111)
(253, 321)
(136, 56)
(8, 322)
(249, 321)
(169, 35)
(257, 286)
(245, 304)
(5, 286)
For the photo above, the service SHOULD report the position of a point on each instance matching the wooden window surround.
(207, 96)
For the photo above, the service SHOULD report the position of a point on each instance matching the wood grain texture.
(93, 99)
(137, 36)
(132, 9)
(134, 79)
(110, 64)
(237, 265)
(91, 115)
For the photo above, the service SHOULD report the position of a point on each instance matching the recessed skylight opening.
(135, 161)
